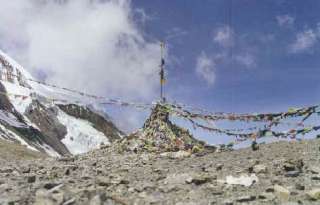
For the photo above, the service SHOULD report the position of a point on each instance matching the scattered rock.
(259, 168)
(270, 189)
(176, 155)
(58, 197)
(227, 202)
(103, 181)
(42, 197)
(216, 192)
(314, 194)
(196, 149)
(25, 170)
(300, 187)
(293, 165)
(292, 173)
(198, 179)
(246, 199)
(98, 199)
(282, 193)
(266, 196)
(289, 167)
(219, 167)
(174, 179)
(315, 177)
(244, 180)
(67, 172)
(50, 185)
(314, 170)
(31, 179)
(6, 170)
(69, 202)
(254, 146)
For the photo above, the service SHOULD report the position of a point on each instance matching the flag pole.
(162, 77)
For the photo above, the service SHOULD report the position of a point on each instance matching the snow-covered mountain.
(30, 116)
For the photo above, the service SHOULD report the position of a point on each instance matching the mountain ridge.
(33, 119)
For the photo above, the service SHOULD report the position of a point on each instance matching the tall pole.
(162, 77)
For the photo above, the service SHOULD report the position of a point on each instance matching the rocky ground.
(14, 151)
(283, 173)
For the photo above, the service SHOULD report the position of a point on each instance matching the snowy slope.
(19, 103)
(38, 123)
(26, 87)
(81, 137)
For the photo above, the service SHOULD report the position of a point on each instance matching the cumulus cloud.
(242, 56)
(304, 41)
(248, 60)
(205, 68)
(175, 33)
(285, 20)
(92, 45)
(224, 36)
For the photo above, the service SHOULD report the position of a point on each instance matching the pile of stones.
(159, 134)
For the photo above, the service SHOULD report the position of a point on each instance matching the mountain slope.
(29, 116)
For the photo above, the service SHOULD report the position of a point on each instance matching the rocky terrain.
(13, 151)
(283, 173)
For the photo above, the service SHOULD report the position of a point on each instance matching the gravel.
(106, 177)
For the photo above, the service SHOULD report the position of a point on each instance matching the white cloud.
(247, 59)
(304, 41)
(143, 17)
(175, 33)
(224, 36)
(285, 20)
(205, 68)
(90, 45)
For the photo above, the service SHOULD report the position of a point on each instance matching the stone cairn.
(159, 134)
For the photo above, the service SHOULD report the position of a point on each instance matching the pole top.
(162, 45)
(162, 75)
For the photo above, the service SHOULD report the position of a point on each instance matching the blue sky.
(262, 56)
(274, 75)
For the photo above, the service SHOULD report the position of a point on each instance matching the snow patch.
(41, 90)
(11, 120)
(81, 137)
(49, 150)
(19, 103)
(15, 65)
